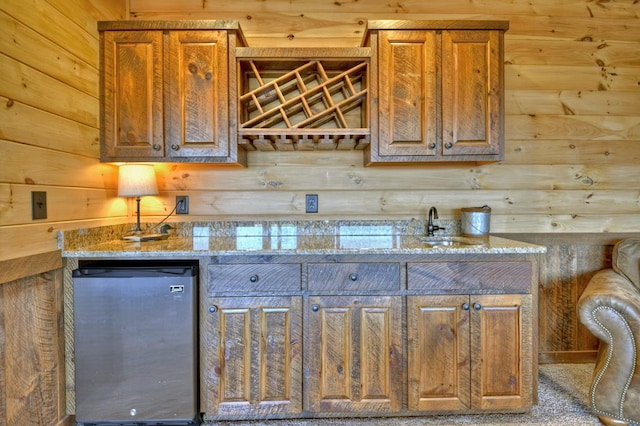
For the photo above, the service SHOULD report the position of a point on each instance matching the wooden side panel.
(197, 94)
(353, 348)
(471, 87)
(132, 63)
(565, 272)
(408, 101)
(501, 370)
(254, 366)
(439, 362)
(32, 377)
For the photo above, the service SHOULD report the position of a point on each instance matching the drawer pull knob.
(213, 309)
(254, 278)
(466, 307)
(477, 306)
(315, 308)
(353, 277)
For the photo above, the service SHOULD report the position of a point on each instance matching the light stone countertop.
(239, 238)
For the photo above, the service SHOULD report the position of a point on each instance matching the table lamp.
(137, 180)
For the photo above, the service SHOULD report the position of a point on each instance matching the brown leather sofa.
(610, 308)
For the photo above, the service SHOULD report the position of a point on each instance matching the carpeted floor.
(563, 393)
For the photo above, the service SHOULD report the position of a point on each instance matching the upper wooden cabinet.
(168, 91)
(417, 91)
(439, 91)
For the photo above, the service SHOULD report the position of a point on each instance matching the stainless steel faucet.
(431, 228)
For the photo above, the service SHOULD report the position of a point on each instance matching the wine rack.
(303, 104)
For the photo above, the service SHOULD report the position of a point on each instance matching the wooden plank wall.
(572, 126)
(49, 122)
(48, 142)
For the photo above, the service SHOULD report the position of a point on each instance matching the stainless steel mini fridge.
(136, 343)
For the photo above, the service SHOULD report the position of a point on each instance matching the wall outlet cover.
(311, 204)
(182, 204)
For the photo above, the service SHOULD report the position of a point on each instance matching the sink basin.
(452, 242)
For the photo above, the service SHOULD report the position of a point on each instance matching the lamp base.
(145, 237)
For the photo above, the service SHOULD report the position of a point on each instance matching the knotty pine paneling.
(49, 114)
(572, 101)
(31, 48)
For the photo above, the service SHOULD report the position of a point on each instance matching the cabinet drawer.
(354, 276)
(464, 276)
(254, 277)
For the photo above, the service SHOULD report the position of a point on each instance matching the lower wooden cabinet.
(353, 350)
(469, 352)
(253, 359)
(383, 336)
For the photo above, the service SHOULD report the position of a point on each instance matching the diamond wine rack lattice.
(295, 104)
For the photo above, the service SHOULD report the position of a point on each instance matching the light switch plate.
(38, 205)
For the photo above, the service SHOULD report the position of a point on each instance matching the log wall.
(572, 121)
(49, 122)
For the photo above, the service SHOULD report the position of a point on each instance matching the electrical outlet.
(312, 203)
(182, 204)
(38, 205)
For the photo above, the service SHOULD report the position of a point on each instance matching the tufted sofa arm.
(610, 308)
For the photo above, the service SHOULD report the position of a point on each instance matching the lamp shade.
(136, 180)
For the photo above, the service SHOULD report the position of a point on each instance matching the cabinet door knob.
(156, 147)
(448, 145)
(477, 306)
(353, 277)
(213, 309)
(254, 278)
(432, 145)
(466, 307)
(175, 147)
(315, 308)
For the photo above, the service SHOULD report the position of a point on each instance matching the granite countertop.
(269, 238)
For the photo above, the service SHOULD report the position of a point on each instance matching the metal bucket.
(476, 221)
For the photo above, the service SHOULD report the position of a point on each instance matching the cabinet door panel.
(471, 92)
(501, 341)
(408, 95)
(353, 347)
(438, 336)
(132, 123)
(197, 94)
(253, 365)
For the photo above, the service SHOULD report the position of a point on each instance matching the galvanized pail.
(476, 221)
